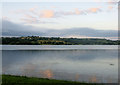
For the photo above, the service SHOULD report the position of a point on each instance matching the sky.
(62, 15)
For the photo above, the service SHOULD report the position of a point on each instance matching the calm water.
(76, 63)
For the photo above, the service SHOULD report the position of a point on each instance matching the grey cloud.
(83, 32)
(12, 29)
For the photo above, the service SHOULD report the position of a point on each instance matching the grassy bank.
(23, 80)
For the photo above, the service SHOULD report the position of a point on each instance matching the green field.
(23, 80)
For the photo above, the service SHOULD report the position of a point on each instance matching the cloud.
(94, 10)
(89, 32)
(112, 2)
(12, 29)
(30, 19)
(33, 10)
(35, 15)
(19, 11)
(47, 14)
(24, 11)
(77, 11)
(110, 7)
(5, 18)
(36, 21)
(53, 7)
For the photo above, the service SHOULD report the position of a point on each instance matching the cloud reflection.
(64, 65)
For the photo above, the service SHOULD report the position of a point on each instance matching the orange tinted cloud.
(29, 19)
(112, 2)
(33, 10)
(5, 18)
(47, 14)
(29, 16)
(110, 7)
(93, 10)
(36, 15)
(77, 11)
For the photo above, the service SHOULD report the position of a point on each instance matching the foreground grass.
(23, 80)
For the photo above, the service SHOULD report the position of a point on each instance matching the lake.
(89, 63)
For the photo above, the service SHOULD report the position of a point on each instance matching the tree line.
(37, 40)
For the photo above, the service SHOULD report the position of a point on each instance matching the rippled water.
(79, 64)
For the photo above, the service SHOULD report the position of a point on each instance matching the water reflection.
(77, 65)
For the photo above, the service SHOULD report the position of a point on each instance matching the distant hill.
(36, 40)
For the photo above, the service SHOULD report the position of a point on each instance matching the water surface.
(76, 63)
